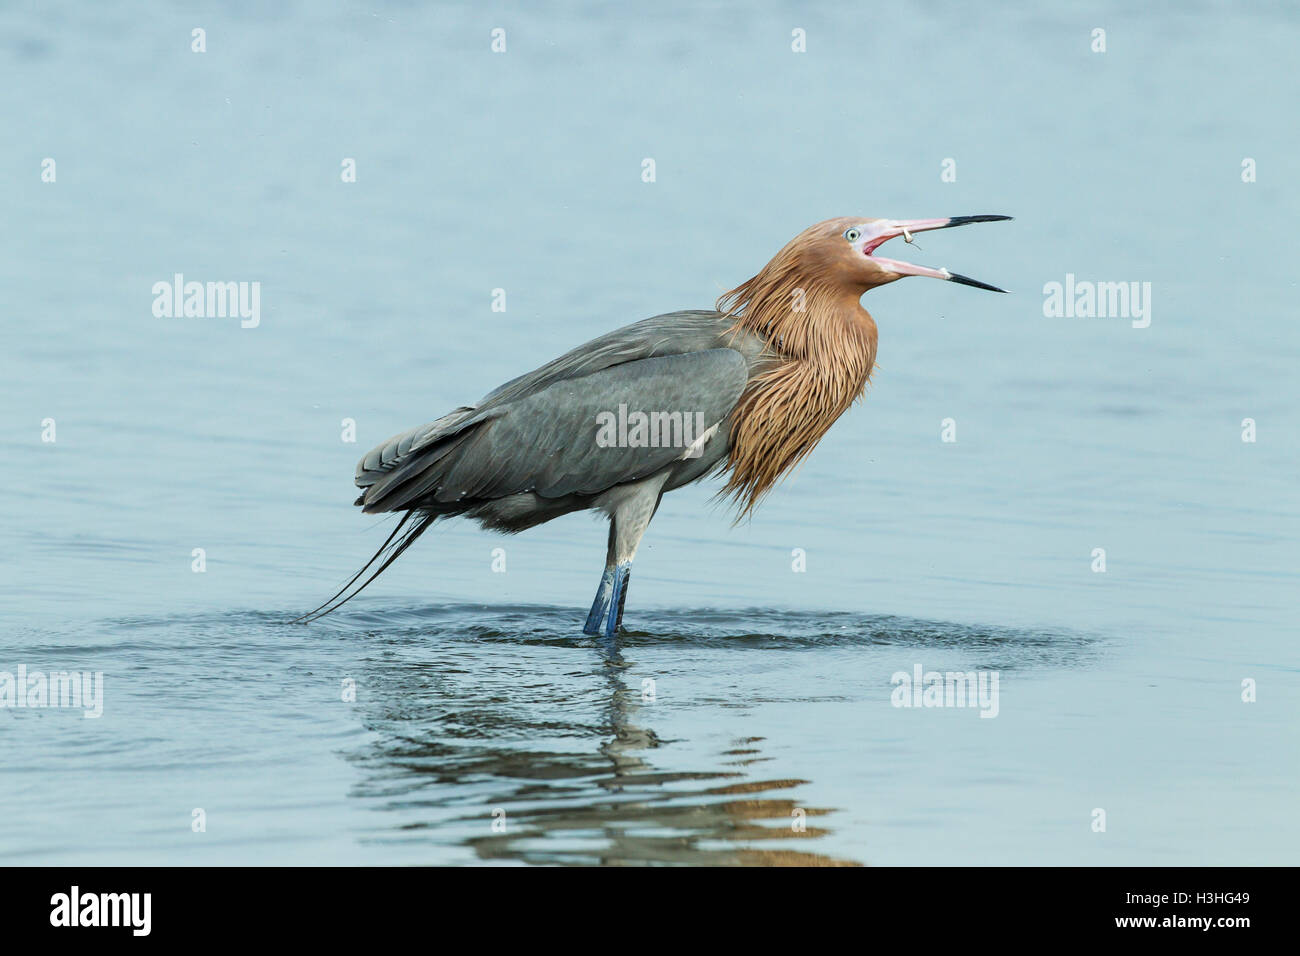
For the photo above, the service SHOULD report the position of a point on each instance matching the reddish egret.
(746, 390)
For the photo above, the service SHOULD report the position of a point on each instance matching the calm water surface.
(745, 695)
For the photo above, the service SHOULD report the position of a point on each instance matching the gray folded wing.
(547, 438)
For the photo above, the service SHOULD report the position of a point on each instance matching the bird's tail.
(390, 550)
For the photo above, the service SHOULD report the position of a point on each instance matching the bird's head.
(842, 252)
(804, 304)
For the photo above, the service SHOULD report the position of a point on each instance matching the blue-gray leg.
(630, 508)
(607, 610)
(617, 598)
(600, 606)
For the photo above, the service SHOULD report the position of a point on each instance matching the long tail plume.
(397, 542)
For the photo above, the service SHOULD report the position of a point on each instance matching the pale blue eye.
(852, 235)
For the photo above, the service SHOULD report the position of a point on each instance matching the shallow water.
(746, 695)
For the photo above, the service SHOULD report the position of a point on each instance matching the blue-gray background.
(522, 171)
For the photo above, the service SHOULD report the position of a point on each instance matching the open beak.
(892, 228)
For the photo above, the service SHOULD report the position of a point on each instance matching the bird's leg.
(614, 618)
(631, 509)
(607, 610)
(600, 606)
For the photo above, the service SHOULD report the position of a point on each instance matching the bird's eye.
(852, 235)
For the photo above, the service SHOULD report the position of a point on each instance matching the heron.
(763, 376)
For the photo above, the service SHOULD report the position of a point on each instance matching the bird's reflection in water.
(648, 816)
(456, 758)
(504, 716)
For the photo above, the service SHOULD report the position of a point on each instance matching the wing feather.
(547, 440)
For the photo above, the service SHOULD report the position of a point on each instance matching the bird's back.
(533, 442)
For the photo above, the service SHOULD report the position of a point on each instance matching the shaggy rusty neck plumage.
(824, 346)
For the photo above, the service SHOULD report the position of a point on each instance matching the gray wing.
(390, 453)
(669, 334)
(673, 333)
(546, 438)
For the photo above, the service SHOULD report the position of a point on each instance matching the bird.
(743, 391)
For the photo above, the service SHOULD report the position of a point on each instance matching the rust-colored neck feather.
(823, 344)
